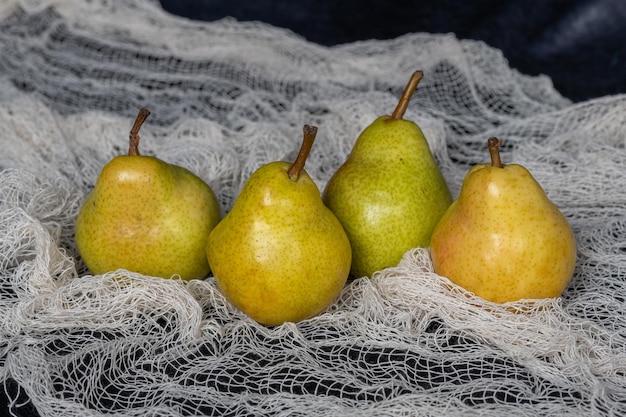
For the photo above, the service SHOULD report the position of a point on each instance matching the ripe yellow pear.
(280, 254)
(147, 216)
(389, 194)
(503, 239)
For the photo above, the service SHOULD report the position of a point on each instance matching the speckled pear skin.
(389, 194)
(503, 239)
(279, 255)
(147, 216)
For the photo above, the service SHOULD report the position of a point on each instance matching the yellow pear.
(280, 254)
(389, 194)
(503, 239)
(147, 216)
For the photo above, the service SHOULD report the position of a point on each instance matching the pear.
(503, 239)
(147, 216)
(389, 194)
(280, 255)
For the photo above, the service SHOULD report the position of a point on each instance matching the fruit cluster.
(285, 251)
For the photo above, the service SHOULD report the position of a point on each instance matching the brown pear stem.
(307, 143)
(403, 103)
(133, 138)
(494, 144)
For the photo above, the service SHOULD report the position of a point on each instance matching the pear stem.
(494, 144)
(403, 103)
(307, 143)
(133, 138)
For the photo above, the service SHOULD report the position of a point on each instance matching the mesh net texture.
(227, 97)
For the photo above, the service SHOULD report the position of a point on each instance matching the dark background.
(580, 44)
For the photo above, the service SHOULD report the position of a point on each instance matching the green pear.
(147, 216)
(389, 194)
(280, 254)
(502, 238)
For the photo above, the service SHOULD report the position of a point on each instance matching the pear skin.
(503, 239)
(280, 254)
(389, 194)
(147, 216)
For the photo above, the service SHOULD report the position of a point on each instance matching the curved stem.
(494, 151)
(133, 138)
(307, 143)
(403, 103)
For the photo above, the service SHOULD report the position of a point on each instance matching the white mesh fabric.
(227, 97)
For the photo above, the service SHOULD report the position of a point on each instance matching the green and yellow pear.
(280, 255)
(502, 238)
(389, 194)
(147, 216)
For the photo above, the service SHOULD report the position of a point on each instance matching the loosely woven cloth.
(227, 97)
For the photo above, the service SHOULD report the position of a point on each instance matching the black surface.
(580, 44)
(22, 407)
